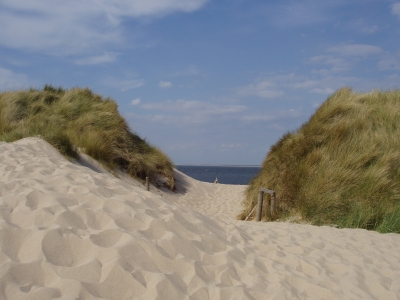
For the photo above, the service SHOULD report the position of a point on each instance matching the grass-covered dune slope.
(341, 167)
(78, 119)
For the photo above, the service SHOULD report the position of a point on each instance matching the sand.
(71, 230)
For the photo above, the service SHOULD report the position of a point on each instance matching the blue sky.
(208, 82)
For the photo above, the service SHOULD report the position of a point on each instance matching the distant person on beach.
(216, 180)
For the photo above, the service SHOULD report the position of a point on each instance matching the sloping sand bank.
(69, 232)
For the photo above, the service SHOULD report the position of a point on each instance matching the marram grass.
(341, 167)
(78, 119)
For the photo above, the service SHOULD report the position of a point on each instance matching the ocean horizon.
(222, 165)
(226, 174)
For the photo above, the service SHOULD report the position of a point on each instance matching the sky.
(206, 81)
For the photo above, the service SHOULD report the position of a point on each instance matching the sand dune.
(73, 231)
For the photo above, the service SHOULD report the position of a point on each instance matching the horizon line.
(211, 165)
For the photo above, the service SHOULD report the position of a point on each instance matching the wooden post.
(147, 184)
(273, 197)
(260, 203)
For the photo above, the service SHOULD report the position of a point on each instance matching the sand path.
(69, 231)
(222, 201)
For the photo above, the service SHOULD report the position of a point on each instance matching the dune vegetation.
(78, 120)
(342, 167)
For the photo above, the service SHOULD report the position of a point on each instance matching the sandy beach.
(71, 230)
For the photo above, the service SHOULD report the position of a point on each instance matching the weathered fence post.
(260, 202)
(147, 184)
(273, 199)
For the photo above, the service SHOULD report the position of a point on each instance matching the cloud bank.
(356, 50)
(165, 84)
(66, 27)
(107, 57)
(396, 9)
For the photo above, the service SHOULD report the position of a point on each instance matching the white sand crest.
(73, 231)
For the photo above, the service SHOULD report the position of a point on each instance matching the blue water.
(225, 174)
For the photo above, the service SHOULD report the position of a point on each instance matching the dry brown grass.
(78, 118)
(341, 167)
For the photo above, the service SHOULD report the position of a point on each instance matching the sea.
(225, 174)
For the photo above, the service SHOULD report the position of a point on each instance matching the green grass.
(78, 119)
(341, 167)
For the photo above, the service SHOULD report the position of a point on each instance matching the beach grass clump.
(79, 120)
(341, 167)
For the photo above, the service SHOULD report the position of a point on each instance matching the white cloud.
(201, 112)
(192, 70)
(64, 27)
(135, 101)
(363, 25)
(344, 57)
(302, 12)
(164, 84)
(256, 117)
(370, 29)
(305, 84)
(270, 116)
(355, 50)
(337, 64)
(59, 28)
(124, 85)
(293, 84)
(262, 88)
(276, 86)
(396, 9)
(182, 105)
(11, 81)
(328, 84)
(191, 111)
(107, 57)
(323, 91)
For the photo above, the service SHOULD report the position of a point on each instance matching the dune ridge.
(341, 167)
(71, 232)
